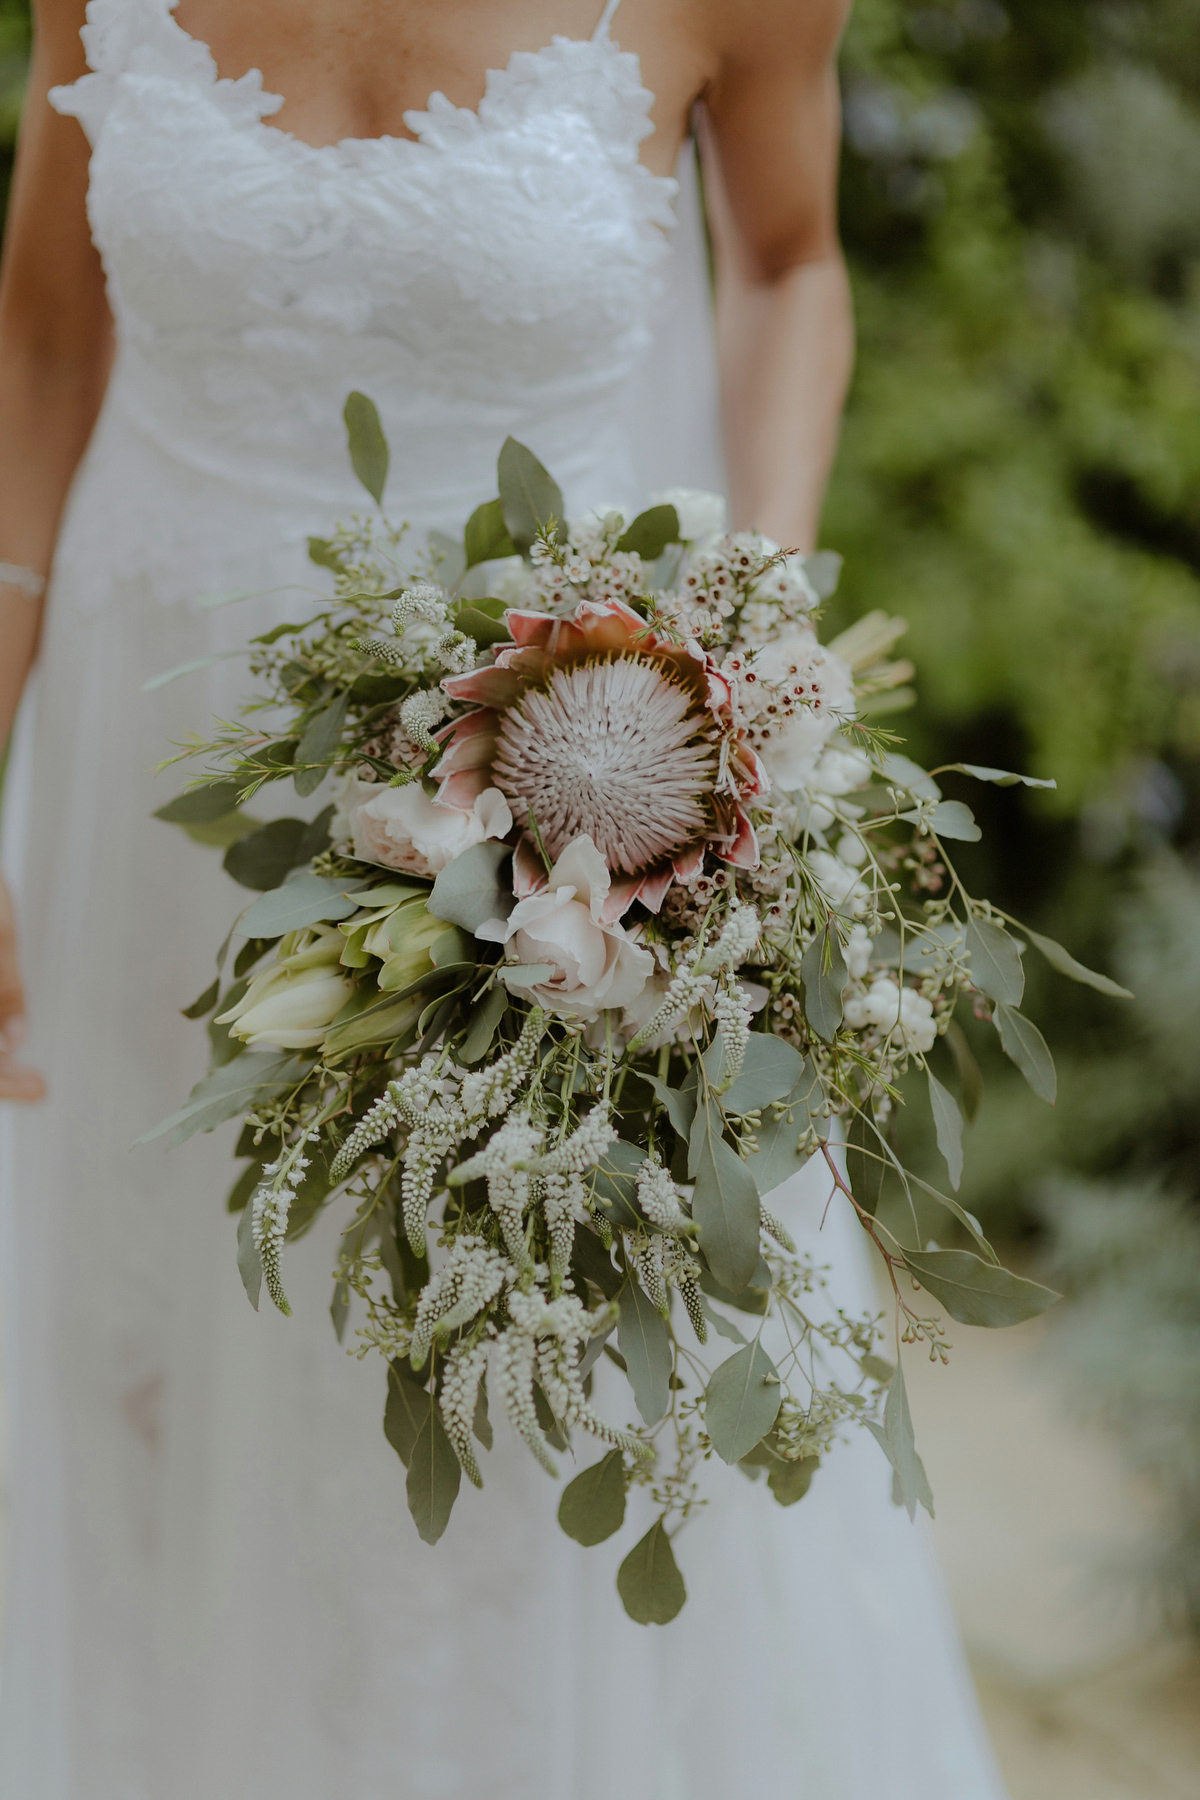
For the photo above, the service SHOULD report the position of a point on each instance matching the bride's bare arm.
(784, 314)
(55, 336)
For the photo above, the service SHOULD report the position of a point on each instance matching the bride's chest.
(525, 228)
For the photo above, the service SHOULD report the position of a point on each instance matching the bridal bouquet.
(619, 913)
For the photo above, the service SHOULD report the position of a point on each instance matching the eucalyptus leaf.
(1024, 1044)
(754, 1298)
(976, 1292)
(769, 1072)
(722, 1326)
(481, 1425)
(649, 1582)
(220, 833)
(614, 1184)
(434, 1474)
(823, 569)
(790, 1481)
(650, 533)
(556, 1437)
(263, 859)
(201, 1007)
(242, 1191)
(741, 1402)
(964, 1217)
(530, 498)
(201, 805)
(448, 558)
(778, 1137)
(995, 961)
(523, 976)
(951, 819)
(321, 552)
(369, 454)
(1001, 777)
(482, 627)
(725, 1207)
(306, 900)
(646, 1346)
(824, 974)
(407, 1406)
(469, 890)
(248, 1260)
(318, 744)
(948, 1124)
(680, 1102)
(1065, 963)
(902, 772)
(970, 1080)
(188, 668)
(593, 1505)
(484, 1022)
(227, 1092)
(899, 1446)
(486, 538)
(866, 1162)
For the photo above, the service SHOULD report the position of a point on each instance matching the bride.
(214, 1590)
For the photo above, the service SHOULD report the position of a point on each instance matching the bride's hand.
(17, 1082)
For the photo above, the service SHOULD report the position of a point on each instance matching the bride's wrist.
(22, 580)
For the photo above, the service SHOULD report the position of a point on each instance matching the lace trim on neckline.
(602, 81)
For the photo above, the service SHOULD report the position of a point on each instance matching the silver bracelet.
(26, 581)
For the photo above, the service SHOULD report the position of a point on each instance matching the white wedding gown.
(214, 1591)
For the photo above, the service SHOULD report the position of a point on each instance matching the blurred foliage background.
(1020, 480)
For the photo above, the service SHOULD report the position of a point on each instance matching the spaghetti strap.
(606, 20)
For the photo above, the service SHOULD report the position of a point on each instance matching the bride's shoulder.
(764, 34)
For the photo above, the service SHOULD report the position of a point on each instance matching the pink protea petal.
(743, 851)
(528, 870)
(526, 628)
(624, 891)
(497, 686)
(655, 888)
(464, 786)
(689, 862)
(610, 624)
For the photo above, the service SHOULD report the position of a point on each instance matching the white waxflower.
(895, 1011)
(786, 583)
(806, 694)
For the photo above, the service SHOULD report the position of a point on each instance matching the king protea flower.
(594, 726)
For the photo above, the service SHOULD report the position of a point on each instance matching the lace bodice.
(495, 272)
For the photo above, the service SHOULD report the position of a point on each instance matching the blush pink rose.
(595, 965)
(403, 828)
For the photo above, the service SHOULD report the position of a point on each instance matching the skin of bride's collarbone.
(353, 68)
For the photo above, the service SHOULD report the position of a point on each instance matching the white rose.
(701, 515)
(596, 965)
(292, 1004)
(403, 828)
(794, 745)
(858, 952)
(895, 1010)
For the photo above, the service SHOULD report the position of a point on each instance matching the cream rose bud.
(596, 965)
(404, 828)
(292, 1004)
(701, 515)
